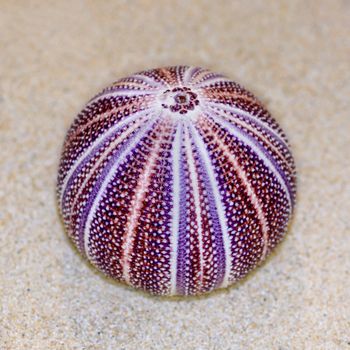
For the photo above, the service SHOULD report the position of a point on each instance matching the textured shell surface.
(176, 181)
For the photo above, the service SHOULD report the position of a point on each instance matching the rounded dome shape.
(176, 180)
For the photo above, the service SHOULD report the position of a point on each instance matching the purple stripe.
(218, 232)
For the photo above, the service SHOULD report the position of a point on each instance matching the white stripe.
(104, 185)
(235, 110)
(188, 74)
(100, 139)
(118, 93)
(176, 209)
(197, 204)
(218, 203)
(148, 80)
(261, 156)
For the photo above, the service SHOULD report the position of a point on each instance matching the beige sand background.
(54, 55)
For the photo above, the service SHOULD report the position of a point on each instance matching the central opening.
(181, 98)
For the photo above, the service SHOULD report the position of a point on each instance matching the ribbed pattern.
(176, 180)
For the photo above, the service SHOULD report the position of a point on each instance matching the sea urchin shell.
(176, 181)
